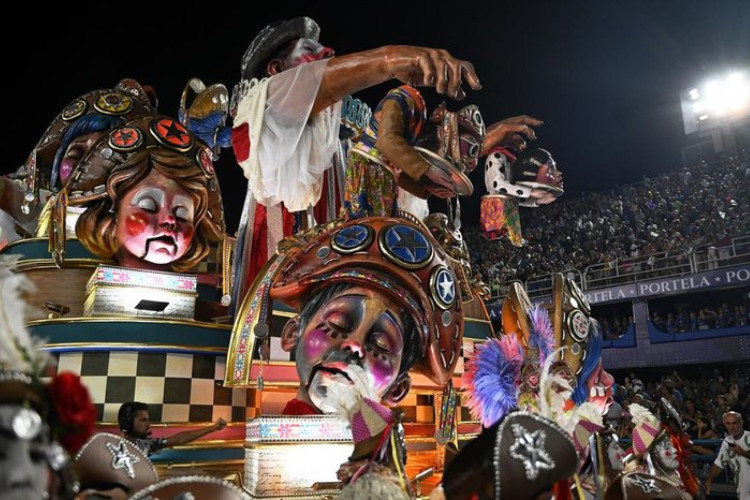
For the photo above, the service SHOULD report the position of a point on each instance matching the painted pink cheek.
(188, 231)
(135, 224)
(382, 372)
(316, 343)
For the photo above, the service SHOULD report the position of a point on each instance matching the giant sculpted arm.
(416, 66)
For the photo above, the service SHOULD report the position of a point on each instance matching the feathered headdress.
(19, 351)
(491, 377)
(64, 403)
(541, 333)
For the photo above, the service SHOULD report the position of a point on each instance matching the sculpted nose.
(353, 346)
(325, 53)
(169, 221)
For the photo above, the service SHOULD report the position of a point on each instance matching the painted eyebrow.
(387, 313)
(155, 193)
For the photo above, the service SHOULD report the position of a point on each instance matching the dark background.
(604, 76)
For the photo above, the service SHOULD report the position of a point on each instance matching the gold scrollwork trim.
(273, 444)
(128, 319)
(193, 463)
(139, 347)
(42, 264)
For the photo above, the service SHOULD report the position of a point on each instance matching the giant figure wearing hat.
(376, 293)
(286, 113)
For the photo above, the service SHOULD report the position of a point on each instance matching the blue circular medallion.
(406, 246)
(352, 239)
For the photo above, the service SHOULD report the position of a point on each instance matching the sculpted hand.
(511, 132)
(427, 67)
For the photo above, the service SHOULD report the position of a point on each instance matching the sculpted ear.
(290, 335)
(274, 67)
(399, 389)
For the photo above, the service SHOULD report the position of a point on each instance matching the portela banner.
(716, 278)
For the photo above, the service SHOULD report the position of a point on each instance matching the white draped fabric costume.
(288, 153)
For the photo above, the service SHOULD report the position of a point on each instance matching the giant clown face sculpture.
(151, 196)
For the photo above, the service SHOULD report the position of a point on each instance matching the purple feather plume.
(541, 336)
(491, 379)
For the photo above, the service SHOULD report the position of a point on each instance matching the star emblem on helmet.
(125, 138)
(443, 287)
(529, 448)
(121, 459)
(579, 325)
(406, 246)
(113, 103)
(352, 238)
(74, 110)
(171, 133)
(647, 485)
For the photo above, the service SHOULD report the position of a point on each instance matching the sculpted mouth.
(332, 369)
(163, 241)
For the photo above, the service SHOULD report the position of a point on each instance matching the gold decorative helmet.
(396, 256)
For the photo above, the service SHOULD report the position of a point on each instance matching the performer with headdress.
(652, 449)
(41, 425)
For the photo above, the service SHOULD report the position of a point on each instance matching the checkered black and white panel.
(418, 408)
(178, 388)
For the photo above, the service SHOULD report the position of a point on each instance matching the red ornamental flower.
(73, 415)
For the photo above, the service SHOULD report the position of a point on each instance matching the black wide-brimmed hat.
(272, 38)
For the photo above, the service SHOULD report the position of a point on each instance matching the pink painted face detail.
(549, 175)
(315, 343)
(77, 148)
(667, 454)
(359, 327)
(599, 385)
(306, 50)
(155, 222)
(615, 455)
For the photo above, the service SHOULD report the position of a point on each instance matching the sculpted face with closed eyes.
(155, 221)
(355, 327)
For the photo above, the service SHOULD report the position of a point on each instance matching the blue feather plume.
(491, 379)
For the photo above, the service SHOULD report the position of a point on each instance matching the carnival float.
(340, 331)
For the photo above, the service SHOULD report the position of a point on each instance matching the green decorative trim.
(131, 331)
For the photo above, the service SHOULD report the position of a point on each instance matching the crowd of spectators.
(670, 215)
(614, 327)
(705, 318)
(701, 395)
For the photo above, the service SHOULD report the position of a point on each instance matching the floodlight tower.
(717, 108)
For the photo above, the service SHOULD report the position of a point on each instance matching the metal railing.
(632, 270)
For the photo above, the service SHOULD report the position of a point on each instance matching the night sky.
(604, 76)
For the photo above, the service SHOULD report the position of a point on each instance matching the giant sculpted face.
(155, 221)
(358, 327)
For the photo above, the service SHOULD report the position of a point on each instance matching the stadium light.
(719, 102)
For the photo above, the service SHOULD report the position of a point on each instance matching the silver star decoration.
(121, 459)
(447, 287)
(529, 448)
(647, 485)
